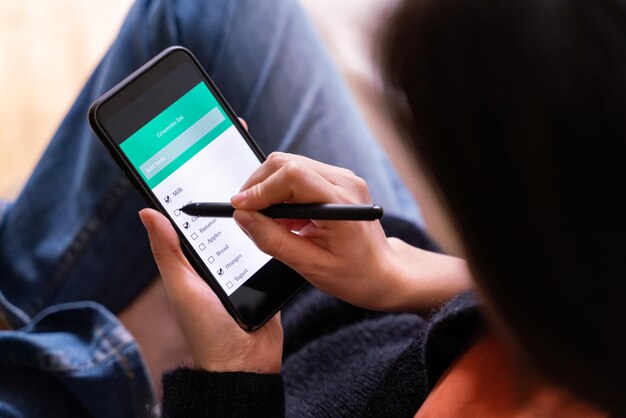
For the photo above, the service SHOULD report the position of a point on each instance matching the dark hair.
(517, 110)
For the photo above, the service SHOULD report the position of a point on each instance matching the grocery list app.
(191, 152)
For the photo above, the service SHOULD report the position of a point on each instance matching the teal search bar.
(174, 149)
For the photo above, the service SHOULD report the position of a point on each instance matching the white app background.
(214, 175)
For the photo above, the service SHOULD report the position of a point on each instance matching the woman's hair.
(517, 110)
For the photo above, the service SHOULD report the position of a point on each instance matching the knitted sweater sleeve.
(194, 393)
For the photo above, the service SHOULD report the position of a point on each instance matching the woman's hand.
(352, 260)
(348, 259)
(217, 343)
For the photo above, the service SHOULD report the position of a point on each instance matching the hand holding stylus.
(347, 259)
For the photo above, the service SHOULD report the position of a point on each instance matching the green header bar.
(178, 133)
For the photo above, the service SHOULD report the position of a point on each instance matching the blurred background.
(47, 51)
(49, 48)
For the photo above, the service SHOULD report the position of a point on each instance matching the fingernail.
(238, 199)
(244, 219)
(144, 220)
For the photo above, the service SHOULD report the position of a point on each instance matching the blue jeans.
(72, 250)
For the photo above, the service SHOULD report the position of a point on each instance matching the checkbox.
(194, 236)
(202, 247)
(229, 285)
(211, 259)
(177, 212)
(195, 218)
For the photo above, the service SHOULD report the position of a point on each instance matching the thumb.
(165, 245)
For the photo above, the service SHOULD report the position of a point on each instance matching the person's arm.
(352, 260)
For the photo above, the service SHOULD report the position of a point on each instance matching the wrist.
(390, 273)
(423, 280)
(248, 365)
(236, 350)
(398, 275)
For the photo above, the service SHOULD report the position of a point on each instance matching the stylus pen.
(325, 211)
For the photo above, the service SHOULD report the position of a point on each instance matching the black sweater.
(339, 360)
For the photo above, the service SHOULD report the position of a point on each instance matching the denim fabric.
(81, 347)
(73, 233)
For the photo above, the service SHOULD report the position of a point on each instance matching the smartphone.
(178, 141)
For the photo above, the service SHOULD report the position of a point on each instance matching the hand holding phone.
(216, 342)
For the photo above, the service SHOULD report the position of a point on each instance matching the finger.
(292, 182)
(164, 243)
(244, 123)
(179, 277)
(274, 239)
(276, 160)
(294, 224)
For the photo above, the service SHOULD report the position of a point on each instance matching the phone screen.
(178, 140)
(191, 152)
